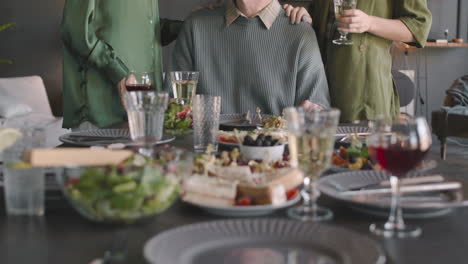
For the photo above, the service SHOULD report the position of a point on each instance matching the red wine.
(139, 87)
(397, 160)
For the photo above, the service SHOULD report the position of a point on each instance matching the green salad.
(178, 119)
(124, 193)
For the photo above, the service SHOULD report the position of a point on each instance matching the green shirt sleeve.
(416, 16)
(79, 36)
(311, 81)
(170, 30)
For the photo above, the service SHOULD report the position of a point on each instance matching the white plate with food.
(231, 138)
(229, 186)
(246, 210)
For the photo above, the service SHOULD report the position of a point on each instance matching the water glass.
(184, 85)
(145, 112)
(206, 111)
(24, 186)
(24, 191)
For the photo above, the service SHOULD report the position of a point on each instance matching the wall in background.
(35, 45)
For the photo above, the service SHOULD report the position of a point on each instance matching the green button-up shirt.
(359, 76)
(102, 41)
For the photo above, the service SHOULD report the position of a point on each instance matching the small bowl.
(268, 154)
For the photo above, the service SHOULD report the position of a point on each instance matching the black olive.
(267, 143)
(352, 159)
(258, 142)
(275, 142)
(270, 138)
(248, 141)
(261, 136)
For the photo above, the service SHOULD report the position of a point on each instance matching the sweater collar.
(267, 15)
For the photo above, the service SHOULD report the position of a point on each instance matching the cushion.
(11, 107)
(29, 89)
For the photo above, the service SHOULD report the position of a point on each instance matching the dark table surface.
(63, 236)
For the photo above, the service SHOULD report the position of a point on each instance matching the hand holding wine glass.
(398, 145)
(341, 6)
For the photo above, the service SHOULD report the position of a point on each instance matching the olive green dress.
(359, 76)
(102, 41)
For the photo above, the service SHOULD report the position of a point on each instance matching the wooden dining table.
(62, 236)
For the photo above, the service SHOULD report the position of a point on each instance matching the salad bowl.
(130, 192)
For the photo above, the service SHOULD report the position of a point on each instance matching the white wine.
(342, 5)
(184, 90)
(311, 153)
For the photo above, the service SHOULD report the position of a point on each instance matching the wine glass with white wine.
(340, 7)
(311, 140)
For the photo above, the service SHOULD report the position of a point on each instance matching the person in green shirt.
(359, 75)
(102, 41)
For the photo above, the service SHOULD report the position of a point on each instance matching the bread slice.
(207, 200)
(268, 192)
(209, 191)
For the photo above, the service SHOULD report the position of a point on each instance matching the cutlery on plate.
(432, 187)
(404, 181)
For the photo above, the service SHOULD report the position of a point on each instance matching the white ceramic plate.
(245, 211)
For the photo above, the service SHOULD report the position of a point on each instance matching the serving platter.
(246, 211)
(262, 241)
(103, 137)
(230, 122)
(414, 205)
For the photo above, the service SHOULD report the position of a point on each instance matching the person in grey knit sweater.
(249, 53)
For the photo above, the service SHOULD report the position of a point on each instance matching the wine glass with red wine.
(139, 82)
(398, 145)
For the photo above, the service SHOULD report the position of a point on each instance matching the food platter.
(238, 121)
(246, 211)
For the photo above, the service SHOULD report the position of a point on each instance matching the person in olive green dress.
(359, 75)
(102, 41)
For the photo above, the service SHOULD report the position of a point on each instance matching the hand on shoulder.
(297, 14)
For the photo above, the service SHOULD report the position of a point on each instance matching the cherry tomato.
(72, 181)
(227, 139)
(244, 201)
(291, 194)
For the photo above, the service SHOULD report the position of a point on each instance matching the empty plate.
(102, 137)
(412, 204)
(262, 241)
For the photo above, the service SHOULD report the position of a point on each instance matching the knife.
(404, 181)
(408, 189)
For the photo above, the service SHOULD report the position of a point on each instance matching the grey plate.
(262, 241)
(234, 120)
(412, 206)
(346, 130)
(119, 135)
(245, 211)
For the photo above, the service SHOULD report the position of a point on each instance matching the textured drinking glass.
(311, 140)
(184, 85)
(398, 145)
(145, 112)
(206, 111)
(340, 7)
(24, 187)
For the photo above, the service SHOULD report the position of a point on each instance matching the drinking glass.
(398, 145)
(311, 140)
(145, 112)
(184, 85)
(139, 81)
(24, 186)
(206, 111)
(340, 7)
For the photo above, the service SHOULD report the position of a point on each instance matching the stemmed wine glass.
(311, 139)
(139, 81)
(340, 7)
(398, 145)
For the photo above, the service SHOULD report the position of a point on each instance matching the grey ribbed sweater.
(248, 65)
